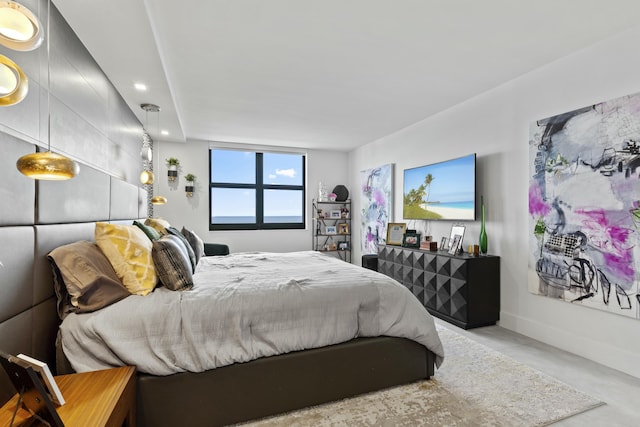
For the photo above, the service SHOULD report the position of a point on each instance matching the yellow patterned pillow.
(158, 223)
(129, 252)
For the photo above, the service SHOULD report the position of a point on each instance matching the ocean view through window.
(252, 190)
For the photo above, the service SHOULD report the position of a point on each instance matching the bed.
(228, 394)
(261, 313)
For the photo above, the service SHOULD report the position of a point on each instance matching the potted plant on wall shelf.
(172, 165)
(190, 178)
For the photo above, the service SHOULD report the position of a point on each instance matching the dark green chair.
(216, 249)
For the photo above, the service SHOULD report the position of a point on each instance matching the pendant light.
(20, 29)
(146, 176)
(156, 200)
(47, 165)
(13, 82)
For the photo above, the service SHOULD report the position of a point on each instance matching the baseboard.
(613, 357)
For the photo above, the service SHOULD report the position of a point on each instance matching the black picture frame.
(33, 395)
(411, 240)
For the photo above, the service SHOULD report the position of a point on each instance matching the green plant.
(190, 177)
(172, 161)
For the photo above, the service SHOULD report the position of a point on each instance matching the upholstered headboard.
(36, 217)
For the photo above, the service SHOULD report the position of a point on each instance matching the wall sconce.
(190, 178)
(172, 165)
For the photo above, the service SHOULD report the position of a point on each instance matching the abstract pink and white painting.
(376, 185)
(584, 206)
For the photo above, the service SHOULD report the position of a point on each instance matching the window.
(253, 191)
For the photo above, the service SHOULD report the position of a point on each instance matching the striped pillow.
(192, 256)
(196, 243)
(172, 263)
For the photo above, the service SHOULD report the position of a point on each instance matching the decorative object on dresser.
(483, 232)
(456, 230)
(461, 289)
(411, 239)
(395, 233)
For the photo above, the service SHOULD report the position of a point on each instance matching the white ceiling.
(330, 74)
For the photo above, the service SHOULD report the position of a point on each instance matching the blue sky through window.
(238, 205)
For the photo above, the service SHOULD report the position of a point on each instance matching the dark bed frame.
(44, 215)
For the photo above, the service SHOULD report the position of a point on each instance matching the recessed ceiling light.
(165, 132)
(140, 86)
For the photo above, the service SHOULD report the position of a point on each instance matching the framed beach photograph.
(395, 233)
(330, 229)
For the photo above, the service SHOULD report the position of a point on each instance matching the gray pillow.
(192, 255)
(172, 263)
(196, 243)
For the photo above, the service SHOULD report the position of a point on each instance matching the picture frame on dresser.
(395, 233)
(455, 244)
(411, 239)
(456, 229)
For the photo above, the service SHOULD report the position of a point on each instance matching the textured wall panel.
(17, 192)
(16, 270)
(124, 200)
(83, 198)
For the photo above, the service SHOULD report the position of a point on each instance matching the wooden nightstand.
(93, 399)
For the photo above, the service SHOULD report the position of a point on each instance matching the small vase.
(483, 231)
(322, 192)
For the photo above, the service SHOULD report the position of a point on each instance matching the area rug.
(476, 386)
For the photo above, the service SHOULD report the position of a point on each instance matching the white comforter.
(245, 306)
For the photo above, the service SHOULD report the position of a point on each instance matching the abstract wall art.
(584, 206)
(376, 185)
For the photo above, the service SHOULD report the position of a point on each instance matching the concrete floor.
(620, 392)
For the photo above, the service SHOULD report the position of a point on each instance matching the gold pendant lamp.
(46, 165)
(14, 84)
(20, 29)
(157, 199)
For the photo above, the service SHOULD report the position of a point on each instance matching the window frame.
(260, 187)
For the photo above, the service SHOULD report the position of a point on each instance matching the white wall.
(330, 167)
(495, 125)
